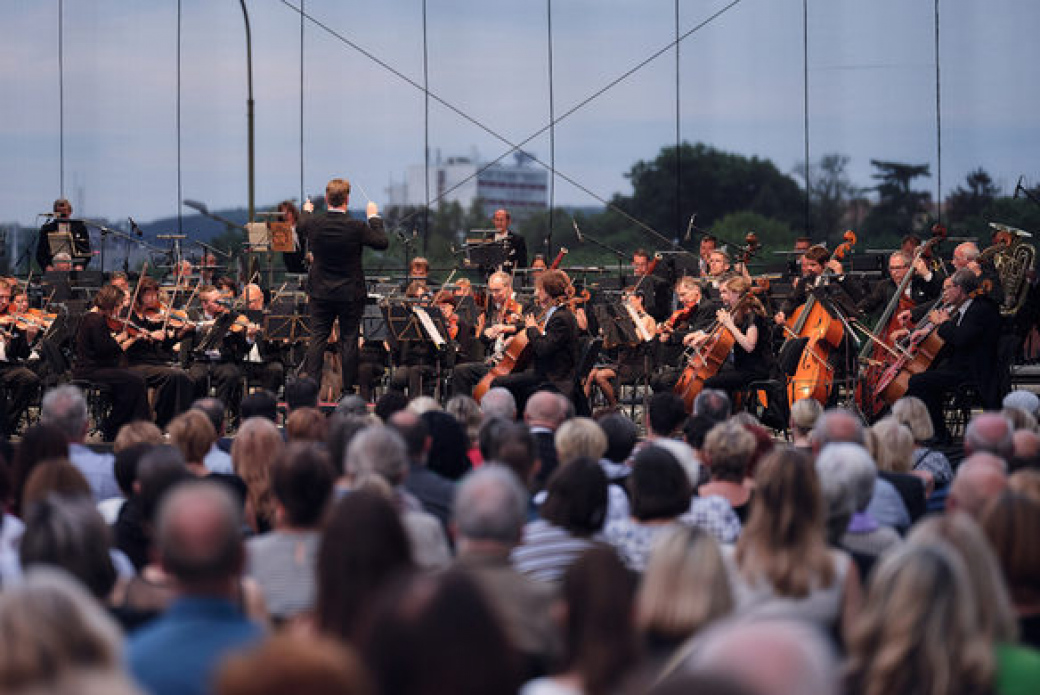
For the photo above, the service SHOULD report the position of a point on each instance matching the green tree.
(830, 192)
(966, 205)
(900, 209)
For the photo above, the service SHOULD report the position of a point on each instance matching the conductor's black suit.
(337, 285)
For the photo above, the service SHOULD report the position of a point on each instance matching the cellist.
(744, 317)
(695, 313)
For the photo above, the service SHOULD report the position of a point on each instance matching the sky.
(140, 122)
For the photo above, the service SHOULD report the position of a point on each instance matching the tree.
(900, 208)
(830, 193)
(965, 205)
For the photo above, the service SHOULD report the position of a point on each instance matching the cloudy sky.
(871, 92)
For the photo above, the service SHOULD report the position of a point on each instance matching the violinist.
(708, 244)
(220, 346)
(460, 332)
(265, 360)
(499, 322)
(968, 322)
(632, 360)
(152, 357)
(101, 340)
(20, 384)
(744, 317)
(658, 296)
(695, 313)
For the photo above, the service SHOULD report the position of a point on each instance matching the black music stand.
(487, 254)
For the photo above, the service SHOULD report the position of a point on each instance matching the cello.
(704, 362)
(814, 376)
(515, 353)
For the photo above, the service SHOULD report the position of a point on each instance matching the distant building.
(521, 187)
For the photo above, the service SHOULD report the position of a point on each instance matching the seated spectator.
(1027, 451)
(434, 492)
(39, 443)
(781, 566)
(622, 435)
(1024, 400)
(582, 437)
(990, 433)
(137, 432)
(684, 590)
(65, 642)
(424, 404)
(804, 414)
(913, 413)
(199, 543)
(498, 402)
(341, 431)
(283, 562)
(1019, 419)
(1012, 525)
(193, 433)
(301, 392)
(441, 631)
(980, 479)
(449, 445)
(294, 664)
(364, 547)
(895, 461)
(53, 477)
(600, 646)
(218, 458)
(306, 425)
(727, 454)
(467, 411)
(353, 405)
(66, 408)
(713, 404)
(572, 514)
(257, 444)
(260, 403)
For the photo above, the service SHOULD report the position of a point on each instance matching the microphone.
(689, 227)
(577, 232)
(133, 226)
(1018, 187)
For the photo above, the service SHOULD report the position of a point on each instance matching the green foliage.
(773, 235)
(900, 208)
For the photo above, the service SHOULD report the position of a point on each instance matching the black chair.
(99, 403)
(776, 412)
(588, 353)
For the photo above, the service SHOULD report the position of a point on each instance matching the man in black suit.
(924, 286)
(336, 282)
(80, 250)
(554, 349)
(516, 246)
(969, 328)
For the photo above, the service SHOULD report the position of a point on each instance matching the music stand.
(487, 254)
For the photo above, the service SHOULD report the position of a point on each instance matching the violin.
(677, 317)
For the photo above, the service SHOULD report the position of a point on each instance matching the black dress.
(98, 360)
(743, 367)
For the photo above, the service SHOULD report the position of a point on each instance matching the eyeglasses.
(898, 267)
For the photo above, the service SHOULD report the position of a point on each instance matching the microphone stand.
(582, 236)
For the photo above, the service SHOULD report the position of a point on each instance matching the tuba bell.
(1013, 258)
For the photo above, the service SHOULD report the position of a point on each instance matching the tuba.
(1013, 259)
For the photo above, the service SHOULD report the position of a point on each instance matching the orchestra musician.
(967, 255)
(80, 238)
(708, 244)
(101, 340)
(336, 281)
(151, 355)
(220, 346)
(744, 317)
(20, 384)
(794, 263)
(295, 260)
(695, 313)
(968, 323)
(553, 342)
(632, 359)
(265, 361)
(415, 360)
(924, 287)
(516, 245)
(499, 322)
(658, 297)
(815, 261)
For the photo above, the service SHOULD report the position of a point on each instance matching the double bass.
(814, 376)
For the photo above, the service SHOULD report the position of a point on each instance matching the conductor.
(76, 240)
(336, 279)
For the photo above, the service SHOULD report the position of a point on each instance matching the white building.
(521, 187)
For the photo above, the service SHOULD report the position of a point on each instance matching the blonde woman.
(894, 455)
(781, 565)
(918, 632)
(728, 450)
(257, 444)
(684, 589)
(193, 434)
(927, 462)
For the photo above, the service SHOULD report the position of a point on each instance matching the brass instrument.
(1013, 259)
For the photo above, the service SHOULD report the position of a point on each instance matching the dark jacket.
(337, 242)
(970, 348)
(556, 350)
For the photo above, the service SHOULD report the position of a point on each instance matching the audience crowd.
(480, 550)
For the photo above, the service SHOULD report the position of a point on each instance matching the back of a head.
(917, 631)
(712, 403)
(66, 408)
(413, 431)
(159, 470)
(837, 425)
(499, 402)
(379, 450)
(125, 466)
(491, 505)
(59, 630)
(68, 532)
(580, 437)
(514, 447)
(192, 433)
(438, 634)
(288, 664)
(577, 497)
(1012, 525)
(695, 430)
(199, 534)
(728, 450)
(137, 432)
(1023, 399)
(257, 443)
(352, 404)
(389, 403)
(658, 485)
(771, 657)
(788, 510)
(424, 404)
(895, 450)
(301, 392)
(213, 408)
(39, 443)
(665, 413)
(449, 445)
(622, 435)
(342, 430)
(546, 409)
(260, 403)
(306, 424)
(849, 465)
(467, 411)
(53, 476)
(979, 479)
(301, 479)
(912, 412)
(990, 433)
(804, 414)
